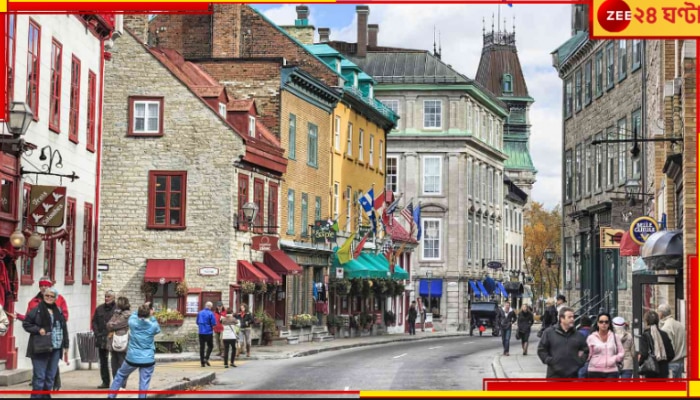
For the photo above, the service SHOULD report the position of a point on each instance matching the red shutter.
(69, 244)
(87, 243)
(258, 196)
(272, 201)
(33, 67)
(92, 94)
(74, 100)
(242, 199)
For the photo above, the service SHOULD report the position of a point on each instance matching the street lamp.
(429, 276)
(549, 257)
(19, 119)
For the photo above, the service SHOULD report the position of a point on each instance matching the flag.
(392, 207)
(344, 253)
(407, 212)
(416, 219)
(379, 207)
(400, 250)
(379, 202)
(367, 203)
(358, 250)
(333, 225)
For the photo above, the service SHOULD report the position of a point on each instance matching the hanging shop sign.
(610, 238)
(641, 228)
(494, 265)
(322, 232)
(47, 205)
(265, 243)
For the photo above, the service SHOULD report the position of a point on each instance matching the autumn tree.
(542, 231)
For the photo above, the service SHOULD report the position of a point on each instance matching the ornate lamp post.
(549, 256)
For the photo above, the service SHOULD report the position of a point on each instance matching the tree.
(542, 231)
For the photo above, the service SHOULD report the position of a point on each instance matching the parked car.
(484, 315)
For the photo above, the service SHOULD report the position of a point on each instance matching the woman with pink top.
(605, 349)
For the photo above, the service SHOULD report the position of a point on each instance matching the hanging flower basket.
(149, 288)
(261, 288)
(181, 288)
(247, 287)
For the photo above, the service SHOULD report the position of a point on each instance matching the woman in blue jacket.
(141, 352)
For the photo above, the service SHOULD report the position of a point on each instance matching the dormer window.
(251, 126)
(354, 79)
(371, 91)
(507, 83)
(222, 109)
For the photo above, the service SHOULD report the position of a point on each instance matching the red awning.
(281, 263)
(247, 272)
(274, 278)
(627, 246)
(167, 270)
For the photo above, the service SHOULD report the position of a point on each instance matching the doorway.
(650, 290)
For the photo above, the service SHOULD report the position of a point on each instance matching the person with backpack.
(118, 336)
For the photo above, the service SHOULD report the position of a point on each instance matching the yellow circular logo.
(641, 228)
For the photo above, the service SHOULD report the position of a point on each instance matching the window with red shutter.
(272, 204)
(258, 198)
(33, 68)
(69, 244)
(10, 34)
(92, 93)
(55, 92)
(87, 244)
(74, 100)
(167, 199)
(242, 199)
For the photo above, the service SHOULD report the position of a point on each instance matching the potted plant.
(366, 320)
(149, 288)
(389, 318)
(181, 288)
(269, 329)
(303, 320)
(247, 287)
(169, 317)
(334, 323)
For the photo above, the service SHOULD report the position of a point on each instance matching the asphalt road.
(439, 364)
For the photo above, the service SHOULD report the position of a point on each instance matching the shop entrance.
(649, 290)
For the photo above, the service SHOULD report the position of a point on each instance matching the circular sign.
(641, 228)
(494, 264)
(614, 15)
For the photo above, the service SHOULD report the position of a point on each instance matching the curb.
(198, 380)
(498, 368)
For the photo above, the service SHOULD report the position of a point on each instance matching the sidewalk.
(183, 371)
(516, 365)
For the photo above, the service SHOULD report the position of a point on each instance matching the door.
(649, 291)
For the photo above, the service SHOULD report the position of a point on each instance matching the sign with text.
(265, 243)
(641, 228)
(610, 238)
(321, 232)
(208, 271)
(644, 19)
(47, 205)
(362, 231)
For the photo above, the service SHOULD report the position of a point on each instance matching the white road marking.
(401, 355)
(432, 348)
(347, 388)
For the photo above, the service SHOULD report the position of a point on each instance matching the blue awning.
(502, 289)
(435, 288)
(484, 292)
(475, 289)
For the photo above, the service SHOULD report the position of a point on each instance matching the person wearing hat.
(219, 313)
(620, 329)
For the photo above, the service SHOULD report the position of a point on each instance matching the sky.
(537, 34)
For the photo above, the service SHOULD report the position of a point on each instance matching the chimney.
(372, 31)
(362, 15)
(302, 12)
(324, 35)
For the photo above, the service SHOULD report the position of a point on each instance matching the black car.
(484, 314)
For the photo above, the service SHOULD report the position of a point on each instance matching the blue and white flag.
(416, 219)
(367, 203)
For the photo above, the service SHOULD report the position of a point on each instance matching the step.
(327, 338)
(2, 365)
(292, 339)
(11, 377)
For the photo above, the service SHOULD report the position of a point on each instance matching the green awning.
(399, 273)
(371, 260)
(357, 269)
(380, 262)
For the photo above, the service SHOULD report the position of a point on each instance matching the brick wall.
(188, 34)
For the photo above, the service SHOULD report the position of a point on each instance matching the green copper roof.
(518, 156)
(322, 50)
(565, 50)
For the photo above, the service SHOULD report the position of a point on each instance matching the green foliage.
(166, 315)
(389, 317)
(304, 320)
(341, 287)
(247, 287)
(334, 320)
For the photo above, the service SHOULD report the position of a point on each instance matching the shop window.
(165, 298)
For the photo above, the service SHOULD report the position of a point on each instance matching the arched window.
(507, 83)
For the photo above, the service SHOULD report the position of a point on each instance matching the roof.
(322, 50)
(397, 232)
(240, 105)
(499, 56)
(564, 51)
(189, 73)
(408, 67)
(518, 155)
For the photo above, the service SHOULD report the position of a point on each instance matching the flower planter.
(172, 322)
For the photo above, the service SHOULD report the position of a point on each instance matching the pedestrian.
(45, 282)
(605, 349)
(103, 313)
(219, 311)
(676, 332)
(206, 323)
(246, 320)
(620, 327)
(118, 327)
(525, 321)
(549, 316)
(48, 340)
(141, 351)
(561, 302)
(562, 348)
(421, 312)
(585, 330)
(411, 318)
(655, 342)
(506, 318)
(230, 335)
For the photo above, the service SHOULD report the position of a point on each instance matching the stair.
(11, 377)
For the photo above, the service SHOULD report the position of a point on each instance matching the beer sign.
(641, 228)
(47, 206)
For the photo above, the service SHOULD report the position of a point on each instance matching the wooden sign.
(610, 238)
(47, 206)
(265, 243)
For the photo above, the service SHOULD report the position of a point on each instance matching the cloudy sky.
(460, 29)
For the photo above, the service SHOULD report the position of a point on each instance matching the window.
(578, 178)
(165, 297)
(432, 175)
(222, 109)
(610, 65)
(87, 243)
(371, 150)
(304, 214)
(146, 116)
(477, 114)
(272, 199)
(33, 68)
(598, 184)
(11, 34)
(381, 155)
(312, 150)
(611, 165)
(258, 199)
(636, 54)
(569, 262)
(622, 151)
(568, 98)
(69, 244)
(91, 102)
(622, 62)
(469, 117)
(166, 197)
(599, 73)
(349, 149)
(392, 173)
(636, 127)
(361, 145)
(290, 211)
(393, 105)
(579, 89)
(482, 179)
(243, 196)
(55, 89)
(336, 136)
(589, 168)
(251, 126)
(587, 70)
(348, 208)
(431, 239)
(336, 204)
(317, 212)
(74, 100)
(292, 137)
(432, 114)
(507, 83)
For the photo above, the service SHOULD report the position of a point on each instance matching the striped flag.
(407, 212)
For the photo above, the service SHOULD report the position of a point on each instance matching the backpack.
(120, 342)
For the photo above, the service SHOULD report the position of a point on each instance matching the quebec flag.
(367, 203)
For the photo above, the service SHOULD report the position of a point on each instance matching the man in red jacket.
(45, 283)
